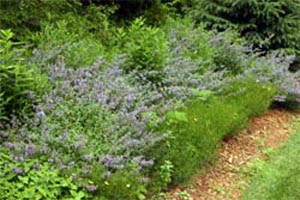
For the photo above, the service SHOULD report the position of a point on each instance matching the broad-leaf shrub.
(147, 50)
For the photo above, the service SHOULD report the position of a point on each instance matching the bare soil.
(225, 178)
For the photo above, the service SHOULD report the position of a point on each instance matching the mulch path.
(225, 178)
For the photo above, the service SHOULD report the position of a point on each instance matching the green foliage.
(123, 184)
(25, 16)
(16, 79)
(231, 52)
(197, 129)
(279, 177)
(77, 47)
(266, 24)
(212, 50)
(42, 182)
(191, 40)
(147, 49)
(165, 172)
(254, 97)
(68, 35)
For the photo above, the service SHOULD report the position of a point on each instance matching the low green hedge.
(197, 129)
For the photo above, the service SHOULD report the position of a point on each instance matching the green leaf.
(24, 179)
(80, 195)
(177, 116)
(42, 191)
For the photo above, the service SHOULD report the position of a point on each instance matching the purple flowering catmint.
(138, 159)
(19, 158)
(106, 175)
(88, 158)
(3, 134)
(36, 167)
(72, 163)
(118, 114)
(129, 101)
(39, 112)
(62, 167)
(80, 142)
(131, 143)
(18, 171)
(145, 163)
(10, 145)
(91, 188)
(29, 150)
(64, 136)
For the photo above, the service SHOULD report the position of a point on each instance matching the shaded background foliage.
(267, 25)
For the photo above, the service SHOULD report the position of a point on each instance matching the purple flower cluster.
(275, 69)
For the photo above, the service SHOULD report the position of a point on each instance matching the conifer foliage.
(268, 24)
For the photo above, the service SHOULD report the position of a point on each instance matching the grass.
(279, 177)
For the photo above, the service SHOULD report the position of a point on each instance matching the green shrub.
(30, 180)
(147, 49)
(16, 79)
(266, 24)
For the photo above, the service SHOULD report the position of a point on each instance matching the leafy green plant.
(30, 180)
(165, 172)
(147, 49)
(16, 79)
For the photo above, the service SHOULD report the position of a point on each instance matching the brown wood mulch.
(225, 178)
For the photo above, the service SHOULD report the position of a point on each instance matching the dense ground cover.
(121, 112)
